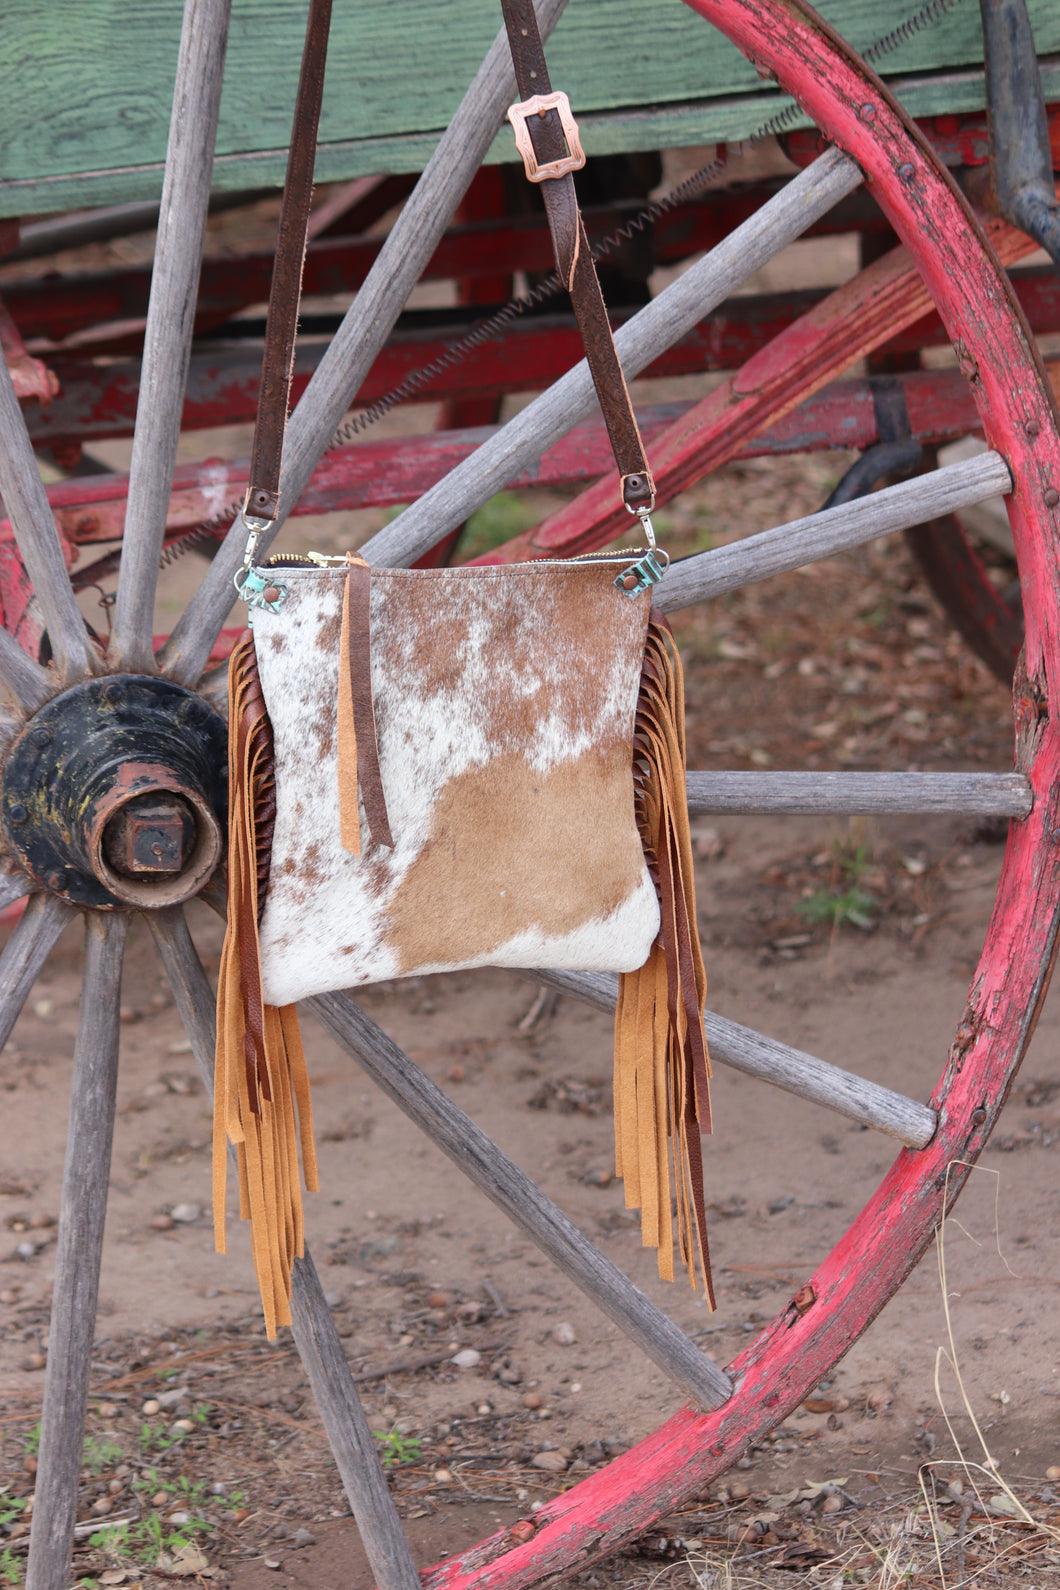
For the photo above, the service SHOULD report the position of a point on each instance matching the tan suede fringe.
(261, 1081)
(662, 1069)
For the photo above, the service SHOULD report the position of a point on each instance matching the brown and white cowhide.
(504, 701)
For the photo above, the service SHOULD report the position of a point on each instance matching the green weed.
(10, 1572)
(99, 1453)
(398, 1448)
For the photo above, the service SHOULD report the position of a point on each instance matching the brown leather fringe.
(358, 748)
(662, 1068)
(261, 1082)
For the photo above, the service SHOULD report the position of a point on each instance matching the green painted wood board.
(87, 84)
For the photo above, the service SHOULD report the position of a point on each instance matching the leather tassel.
(662, 1068)
(358, 747)
(261, 1087)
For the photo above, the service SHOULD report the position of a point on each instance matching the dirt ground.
(854, 940)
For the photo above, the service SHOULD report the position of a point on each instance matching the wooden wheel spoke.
(468, 1146)
(400, 263)
(26, 680)
(821, 535)
(170, 319)
(842, 794)
(653, 329)
(770, 1061)
(316, 1338)
(26, 501)
(14, 886)
(26, 951)
(78, 1252)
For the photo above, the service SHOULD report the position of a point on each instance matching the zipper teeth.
(301, 560)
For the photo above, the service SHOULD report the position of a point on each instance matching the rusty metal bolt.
(41, 736)
(804, 1299)
(867, 111)
(1052, 497)
(57, 880)
(17, 813)
(114, 694)
(906, 171)
(979, 1117)
(152, 834)
(1032, 427)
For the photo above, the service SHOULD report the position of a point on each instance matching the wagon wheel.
(116, 709)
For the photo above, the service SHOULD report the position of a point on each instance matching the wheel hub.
(113, 795)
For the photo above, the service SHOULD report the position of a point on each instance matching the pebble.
(107, 1410)
(739, 1490)
(152, 1405)
(128, 1015)
(303, 1537)
(564, 1334)
(102, 1506)
(169, 1399)
(483, 1407)
(181, 1427)
(9, 1295)
(532, 1399)
(43, 1008)
(163, 1223)
(26, 1250)
(467, 1358)
(180, 1517)
(42, 1222)
(832, 1504)
(32, 1361)
(333, 1299)
(160, 1498)
(272, 1562)
(439, 1300)
(1053, 1472)
(182, 1046)
(29, 1463)
(553, 1462)
(186, 1214)
(442, 1476)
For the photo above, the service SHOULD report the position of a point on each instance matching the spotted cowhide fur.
(504, 700)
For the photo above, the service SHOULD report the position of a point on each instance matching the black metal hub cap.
(113, 795)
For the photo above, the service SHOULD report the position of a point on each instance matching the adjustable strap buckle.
(538, 104)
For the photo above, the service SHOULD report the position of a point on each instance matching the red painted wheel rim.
(884, 1242)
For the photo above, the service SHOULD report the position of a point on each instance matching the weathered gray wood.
(25, 680)
(985, 794)
(170, 319)
(79, 1249)
(316, 1338)
(26, 502)
(791, 1069)
(654, 328)
(14, 885)
(822, 535)
(366, 326)
(349, 1434)
(26, 951)
(521, 1200)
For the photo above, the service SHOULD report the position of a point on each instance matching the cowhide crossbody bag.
(432, 770)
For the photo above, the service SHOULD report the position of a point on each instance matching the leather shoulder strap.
(548, 141)
(277, 365)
